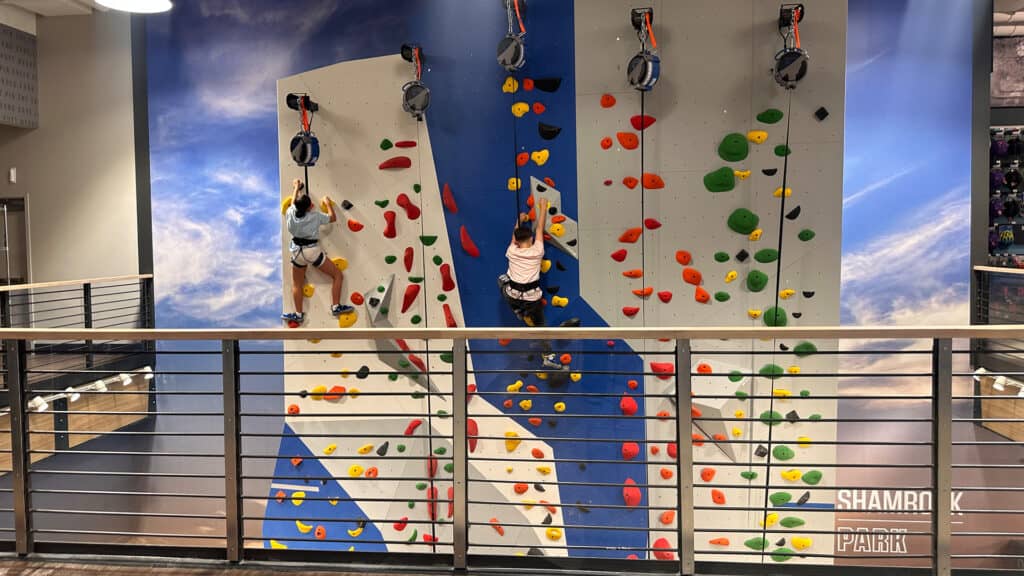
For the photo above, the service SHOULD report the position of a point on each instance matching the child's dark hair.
(523, 233)
(302, 205)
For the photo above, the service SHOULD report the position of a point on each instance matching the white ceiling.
(1008, 19)
(55, 7)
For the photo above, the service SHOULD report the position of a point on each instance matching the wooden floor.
(44, 568)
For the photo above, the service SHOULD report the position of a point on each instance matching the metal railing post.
(460, 380)
(684, 419)
(5, 309)
(148, 310)
(232, 451)
(942, 454)
(19, 446)
(90, 358)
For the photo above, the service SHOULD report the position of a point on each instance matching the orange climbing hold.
(532, 388)
(665, 296)
(667, 517)
(356, 298)
(537, 453)
(606, 142)
(528, 84)
(664, 415)
(719, 437)
(707, 474)
(335, 393)
(549, 181)
(630, 450)
(534, 421)
(652, 223)
(607, 101)
(653, 181)
(355, 225)
(631, 494)
(640, 122)
(372, 472)
(628, 140)
(504, 341)
(449, 199)
(557, 219)
(661, 549)
(619, 255)
(698, 439)
(565, 358)
(522, 158)
(718, 497)
(719, 542)
(644, 292)
(692, 276)
(634, 273)
(663, 370)
(630, 182)
(673, 450)
(631, 235)
(666, 473)
(279, 496)
(320, 533)
(539, 108)
(630, 310)
(701, 295)
(704, 368)
(655, 450)
(297, 461)
(507, 403)
(683, 257)
(695, 412)
(521, 488)
(293, 409)
(497, 527)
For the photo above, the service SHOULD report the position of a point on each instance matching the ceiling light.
(125, 379)
(72, 394)
(37, 404)
(99, 386)
(148, 371)
(999, 384)
(979, 373)
(139, 6)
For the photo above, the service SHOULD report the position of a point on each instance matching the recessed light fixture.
(137, 6)
(72, 394)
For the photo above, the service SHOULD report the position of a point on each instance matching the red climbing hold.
(507, 403)
(652, 223)
(692, 276)
(698, 439)
(607, 101)
(539, 108)
(389, 221)
(418, 362)
(565, 359)
(628, 140)
(431, 467)
(412, 291)
(534, 421)
(628, 405)
(643, 292)
(405, 144)
(630, 182)
(549, 181)
(520, 488)
(470, 390)
(630, 311)
(707, 474)
(356, 298)
(683, 257)
(718, 497)
(297, 461)
(663, 370)
(412, 211)
(537, 453)
(401, 524)
(634, 273)
(665, 296)
(472, 431)
(655, 450)
(467, 243)
(673, 450)
(704, 368)
(411, 428)
(407, 257)
(451, 501)
(449, 318)
(608, 182)
(279, 496)
(631, 493)
(534, 389)
(527, 84)
(432, 504)
(396, 162)
(522, 158)
(630, 236)
(354, 225)
(606, 142)
(447, 284)
(701, 295)
(653, 181)
(610, 343)
(630, 450)
(633, 384)
(640, 122)
(558, 219)
(449, 199)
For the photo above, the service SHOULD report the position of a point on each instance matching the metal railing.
(706, 450)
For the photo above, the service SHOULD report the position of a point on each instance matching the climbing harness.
(791, 61)
(511, 48)
(415, 94)
(644, 68)
(305, 147)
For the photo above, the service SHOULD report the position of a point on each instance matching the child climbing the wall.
(521, 283)
(303, 223)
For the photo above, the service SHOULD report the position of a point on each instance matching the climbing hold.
(748, 474)
(540, 157)
(389, 221)
(607, 101)
(522, 158)
(718, 497)
(666, 473)
(771, 371)
(733, 148)
(721, 256)
(755, 235)
(412, 211)
(770, 417)
(641, 122)
(643, 292)
(627, 140)
(719, 541)
(783, 452)
(770, 116)
(559, 301)
(722, 296)
(707, 474)
(780, 498)
(631, 493)
(737, 432)
(683, 257)
(769, 520)
(557, 230)
(553, 534)
(812, 477)
(634, 273)
(520, 488)
(411, 428)
(630, 450)
(653, 181)
(544, 471)
(741, 174)
(692, 276)
(519, 109)
(792, 417)
(757, 136)
(526, 405)
(365, 449)
(631, 235)
(628, 405)
(663, 370)
(730, 276)
(303, 528)
(386, 144)
(758, 544)
(510, 86)
(775, 316)
(547, 131)
(405, 144)
(672, 449)
(665, 296)
(539, 108)
(390, 259)
(791, 522)
(355, 470)
(447, 283)
(743, 221)
(668, 516)
(801, 542)
(548, 84)
(412, 291)
(787, 293)
(467, 243)
(721, 180)
(661, 550)
(619, 255)
(606, 142)
(512, 441)
(782, 554)
(630, 182)
(514, 184)
(449, 317)
(781, 393)
(559, 407)
(701, 295)
(806, 235)
(766, 255)
(396, 162)
(754, 314)
(652, 223)
(804, 349)
(756, 280)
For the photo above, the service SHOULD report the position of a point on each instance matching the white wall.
(18, 18)
(77, 170)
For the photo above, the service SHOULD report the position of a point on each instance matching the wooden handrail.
(697, 333)
(998, 270)
(60, 283)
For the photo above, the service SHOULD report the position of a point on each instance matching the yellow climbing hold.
(298, 498)
(333, 501)
(554, 534)
(557, 230)
(353, 392)
(512, 441)
(778, 192)
(540, 157)
(285, 204)
(355, 471)
(313, 340)
(348, 319)
(318, 393)
(794, 369)
(781, 393)
(330, 449)
(304, 528)
(741, 174)
(737, 432)
(575, 376)
(801, 542)
(769, 520)
(559, 407)
(510, 86)
(515, 386)
(730, 276)
(803, 442)
(787, 293)
(514, 184)
(340, 263)
(545, 265)
(559, 301)
(754, 314)
(529, 504)
(355, 532)
(508, 469)
(757, 136)
(336, 354)
(308, 290)
(544, 470)
(324, 205)
(525, 405)
(345, 373)
(365, 449)
(542, 375)
(756, 235)
(739, 414)
(792, 474)
(274, 544)
(351, 549)
(519, 109)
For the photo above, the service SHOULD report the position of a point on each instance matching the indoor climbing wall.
(363, 415)
(684, 220)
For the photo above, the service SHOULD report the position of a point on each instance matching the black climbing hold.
(783, 347)
(552, 423)
(760, 451)
(781, 541)
(808, 293)
(383, 449)
(582, 508)
(526, 374)
(547, 131)
(547, 84)
(570, 323)
(583, 466)
(821, 113)
(363, 372)
(793, 214)
(323, 481)
(560, 266)
(534, 552)
(303, 393)
(558, 378)
(346, 205)
(374, 302)
(539, 487)
(572, 242)
(792, 416)
(553, 289)
(804, 498)
(770, 171)
(547, 520)
(742, 255)
(552, 210)
(797, 314)
(542, 188)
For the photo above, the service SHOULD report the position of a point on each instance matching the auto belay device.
(415, 94)
(644, 69)
(305, 147)
(791, 61)
(511, 49)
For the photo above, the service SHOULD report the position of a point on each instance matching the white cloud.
(865, 63)
(241, 180)
(878, 185)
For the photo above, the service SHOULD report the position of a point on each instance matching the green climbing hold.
(812, 477)
(384, 310)
(741, 395)
(440, 450)
(442, 414)
(734, 147)
(400, 447)
(428, 240)
(775, 316)
(735, 376)
(722, 296)
(416, 188)
(721, 256)
(770, 116)
(806, 235)
(791, 522)
(756, 544)
(446, 357)
(421, 485)
(449, 467)
(437, 260)
(441, 297)
(393, 377)
(415, 279)
(403, 363)
(721, 180)
(749, 475)
(782, 554)
(756, 280)
(414, 534)
(805, 349)
(782, 150)
(390, 259)
(780, 498)
(382, 203)
(386, 144)
(771, 418)
(743, 221)
(767, 256)
(417, 394)
(416, 319)
(805, 393)
(783, 452)
(814, 417)
(771, 371)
